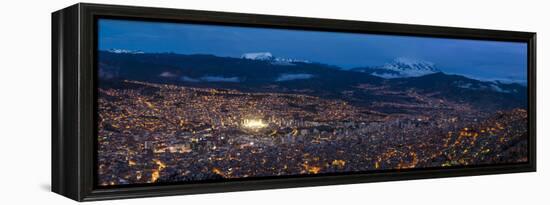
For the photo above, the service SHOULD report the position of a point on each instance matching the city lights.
(191, 134)
(254, 124)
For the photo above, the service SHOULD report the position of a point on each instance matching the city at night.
(191, 103)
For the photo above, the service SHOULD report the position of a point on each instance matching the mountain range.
(262, 72)
(400, 68)
(267, 56)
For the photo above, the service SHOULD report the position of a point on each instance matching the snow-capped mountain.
(117, 50)
(258, 56)
(314, 78)
(267, 56)
(401, 68)
(411, 66)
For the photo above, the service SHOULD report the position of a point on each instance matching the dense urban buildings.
(166, 133)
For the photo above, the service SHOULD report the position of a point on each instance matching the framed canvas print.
(154, 102)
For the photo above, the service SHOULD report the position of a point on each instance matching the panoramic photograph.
(191, 103)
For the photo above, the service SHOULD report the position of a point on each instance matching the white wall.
(25, 102)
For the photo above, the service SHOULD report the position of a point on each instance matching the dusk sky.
(487, 60)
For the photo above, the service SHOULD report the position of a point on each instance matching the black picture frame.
(74, 93)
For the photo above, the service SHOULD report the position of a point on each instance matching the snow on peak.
(267, 56)
(117, 50)
(407, 67)
(258, 56)
(408, 64)
(290, 60)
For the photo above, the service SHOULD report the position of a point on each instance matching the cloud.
(296, 76)
(210, 79)
(220, 79)
(505, 80)
(167, 74)
(189, 79)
